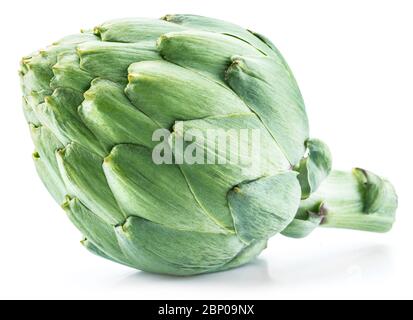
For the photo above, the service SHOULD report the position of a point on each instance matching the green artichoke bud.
(96, 102)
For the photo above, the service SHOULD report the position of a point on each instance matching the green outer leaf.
(60, 114)
(82, 173)
(158, 193)
(181, 94)
(36, 70)
(248, 254)
(34, 98)
(91, 247)
(157, 248)
(274, 72)
(269, 43)
(45, 160)
(96, 230)
(220, 178)
(49, 179)
(29, 114)
(305, 222)
(273, 102)
(134, 29)
(219, 26)
(298, 229)
(67, 73)
(108, 113)
(206, 52)
(314, 168)
(110, 60)
(264, 207)
(76, 39)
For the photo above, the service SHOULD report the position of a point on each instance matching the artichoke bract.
(95, 100)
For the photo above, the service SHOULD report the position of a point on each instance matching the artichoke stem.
(358, 200)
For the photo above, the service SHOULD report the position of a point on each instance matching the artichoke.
(94, 100)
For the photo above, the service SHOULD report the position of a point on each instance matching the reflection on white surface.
(254, 274)
(288, 269)
(364, 263)
(349, 264)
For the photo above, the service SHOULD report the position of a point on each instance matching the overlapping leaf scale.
(96, 230)
(67, 73)
(150, 248)
(158, 193)
(29, 113)
(110, 60)
(266, 206)
(37, 69)
(229, 165)
(81, 170)
(167, 93)
(112, 118)
(222, 27)
(206, 52)
(266, 86)
(315, 167)
(247, 254)
(60, 114)
(132, 30)
(45, 161)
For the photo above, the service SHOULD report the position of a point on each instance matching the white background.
(354, 63)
